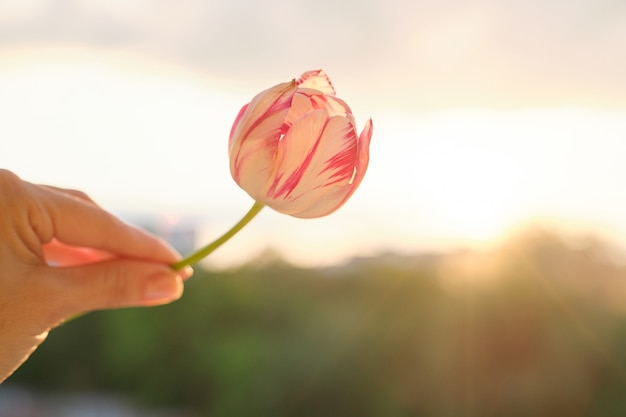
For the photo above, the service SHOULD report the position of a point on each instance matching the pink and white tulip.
(295, 148)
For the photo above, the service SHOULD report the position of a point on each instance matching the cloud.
(420, 54)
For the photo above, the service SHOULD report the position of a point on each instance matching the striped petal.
(264, 102)
(273, 99)
(325, 200)
(235, 127)
(255, 135)
(300, 105)
(335, 156)
(321, 182)
(363, 158)
(253, 163)
(317, 80)
(335, 106)
(305, 100)
(294, 154)
(320, 202)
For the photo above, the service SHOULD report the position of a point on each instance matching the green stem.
(208, 249)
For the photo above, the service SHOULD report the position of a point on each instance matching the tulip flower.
(295, 148)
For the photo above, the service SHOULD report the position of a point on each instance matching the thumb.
(117, 283)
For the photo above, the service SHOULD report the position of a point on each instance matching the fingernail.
(162, 287)
(186, 273)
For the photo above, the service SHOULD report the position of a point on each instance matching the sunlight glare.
(475, 193)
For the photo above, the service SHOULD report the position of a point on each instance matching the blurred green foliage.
(535, 327)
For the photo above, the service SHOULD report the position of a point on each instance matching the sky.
(488, 115)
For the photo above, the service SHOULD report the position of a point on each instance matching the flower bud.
(295, 148)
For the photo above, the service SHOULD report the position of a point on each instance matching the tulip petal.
(235, 125)
(326, 200)
(300, 105)
(335, 156)
(317, 185)
(294, 153)
(255, 135)
(363, 158)
(254, 161)
(317, 80)
(335, 106)
(321, 202)
(340, 146)
(273, 99)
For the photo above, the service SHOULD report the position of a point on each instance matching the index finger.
(79, 222)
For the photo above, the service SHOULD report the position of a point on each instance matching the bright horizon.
(437, 181)
(488, 115)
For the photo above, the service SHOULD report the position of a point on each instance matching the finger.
(57, 253)
(79, 223)
(70, 192)
(62, 255)
(112, 284)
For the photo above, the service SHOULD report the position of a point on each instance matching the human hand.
(61, 255)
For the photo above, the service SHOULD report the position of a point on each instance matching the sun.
(477, 192)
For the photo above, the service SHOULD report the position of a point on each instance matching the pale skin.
(61, 255)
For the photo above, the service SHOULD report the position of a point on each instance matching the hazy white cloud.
(410, 53)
